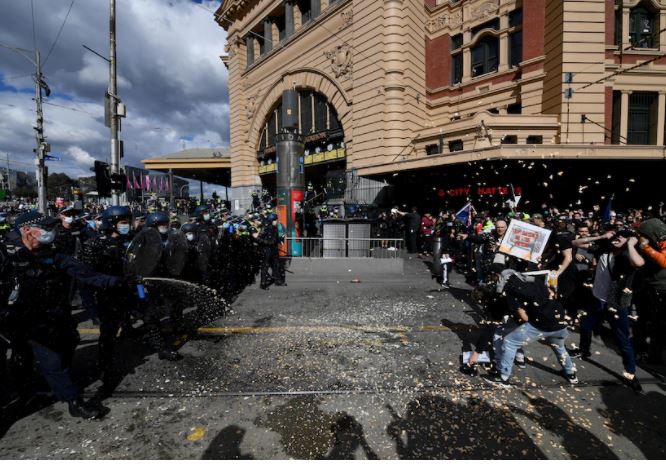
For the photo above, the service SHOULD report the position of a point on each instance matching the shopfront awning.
(210, 165)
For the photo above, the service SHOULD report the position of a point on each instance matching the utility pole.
(113, 99)
(9, 182)
(42, 146)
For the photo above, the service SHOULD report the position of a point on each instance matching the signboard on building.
(525, 241)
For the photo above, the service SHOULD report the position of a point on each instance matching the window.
(510, 140)
(515, 108)
(306, 113)
(321, 113)
(534, 140)
(485, 56)
(432, 149)
(642, 128)
(456, 42)
(617, 112)
(643, 28)
(618, 27)
(455, 145)
(492, 24)
(281, 27)
(249, 46)
(306, 11)
(515, 48)
(456, 68)
(272, 128)
(516, 18)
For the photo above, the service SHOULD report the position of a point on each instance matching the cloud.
(170, 78)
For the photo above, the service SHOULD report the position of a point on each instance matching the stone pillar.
(315, 8)
(268, 34)
(624, 117)
(625, 27)
(249, 45)
(467, 57)
(661, 118)
(288, 18)
(503, 52)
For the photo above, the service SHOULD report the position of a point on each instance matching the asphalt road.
(347, 364)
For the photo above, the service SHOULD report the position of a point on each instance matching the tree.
(60, 185)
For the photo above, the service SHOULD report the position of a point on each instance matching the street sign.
(51, 157)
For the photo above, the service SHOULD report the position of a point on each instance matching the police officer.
(160, 221)
(38, 303)
(195, 270)
(106, 254)
(268, 241)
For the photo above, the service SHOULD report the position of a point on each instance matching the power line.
(71, 108)
(34, 35)
(59, 32)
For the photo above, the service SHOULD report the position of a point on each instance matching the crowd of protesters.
(598, 266)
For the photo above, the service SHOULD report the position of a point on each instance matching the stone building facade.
(389, 86)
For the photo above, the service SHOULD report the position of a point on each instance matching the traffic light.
(102, 178)
(118, 181)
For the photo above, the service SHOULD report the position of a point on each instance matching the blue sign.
(51, 157)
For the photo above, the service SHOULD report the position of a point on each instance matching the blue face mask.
(47, 237)
(123, 229)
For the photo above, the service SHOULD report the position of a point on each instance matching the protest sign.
(525, 241)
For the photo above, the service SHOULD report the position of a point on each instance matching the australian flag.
(465, 214)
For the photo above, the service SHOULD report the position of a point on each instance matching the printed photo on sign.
(525, 241)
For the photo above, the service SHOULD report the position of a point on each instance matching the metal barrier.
(324, 247)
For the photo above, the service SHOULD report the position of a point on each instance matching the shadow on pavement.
(639, 418)
(226, 445)
(434, 428)
(579, 443)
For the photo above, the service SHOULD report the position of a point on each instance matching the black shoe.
(520, 364)
(169, 355)
(472, 370)
(264, 287)
(81, 409)
(578, 354)
(634, 384)
(496, 379)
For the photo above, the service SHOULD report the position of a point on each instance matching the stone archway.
(306, 78)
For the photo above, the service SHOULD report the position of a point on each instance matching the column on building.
(504, 44)
(268, 34)
(661, 118)
(249, 46)
(626, 13)
(289, 18)
(624, 117)
(467, 56)
(315, 8)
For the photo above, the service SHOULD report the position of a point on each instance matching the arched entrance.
(323, 134)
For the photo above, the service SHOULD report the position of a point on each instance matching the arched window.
(643, 28)
(485, 56)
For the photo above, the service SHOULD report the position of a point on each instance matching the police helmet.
(199, 210)
(115, 213)
(189, 227)
(272, 217)
(157, 218)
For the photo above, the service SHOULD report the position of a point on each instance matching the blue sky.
(170, 78)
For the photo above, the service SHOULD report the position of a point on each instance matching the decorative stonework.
(347, 18)
(251, 107)
(453, 21)
(341, 60)
(487, 10)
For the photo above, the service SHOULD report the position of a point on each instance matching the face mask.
(46, 237)
(69, 219)
(163, 229)
(123, 229)
(190, 236)
(206, 217)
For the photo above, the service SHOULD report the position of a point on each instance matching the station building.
(442, 100)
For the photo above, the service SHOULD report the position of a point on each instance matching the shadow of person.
(434, 427)
(466, 333)
(348, 437)
(638, 418)
(226, 445)
(579, 443)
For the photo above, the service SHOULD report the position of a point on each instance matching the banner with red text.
(525, 241)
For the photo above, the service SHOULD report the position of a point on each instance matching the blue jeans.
(52, 368)
(619, 322)
(525, 334)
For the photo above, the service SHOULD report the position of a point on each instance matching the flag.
(167, 186)
(128, 183)
(161, 184)
(137, 184)
(606, 216)
(465, 214)
(147, 185)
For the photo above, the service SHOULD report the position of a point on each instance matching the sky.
(170, 77)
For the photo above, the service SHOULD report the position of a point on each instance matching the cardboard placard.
(525, 241)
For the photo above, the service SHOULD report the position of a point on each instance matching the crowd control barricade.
(345, 247)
